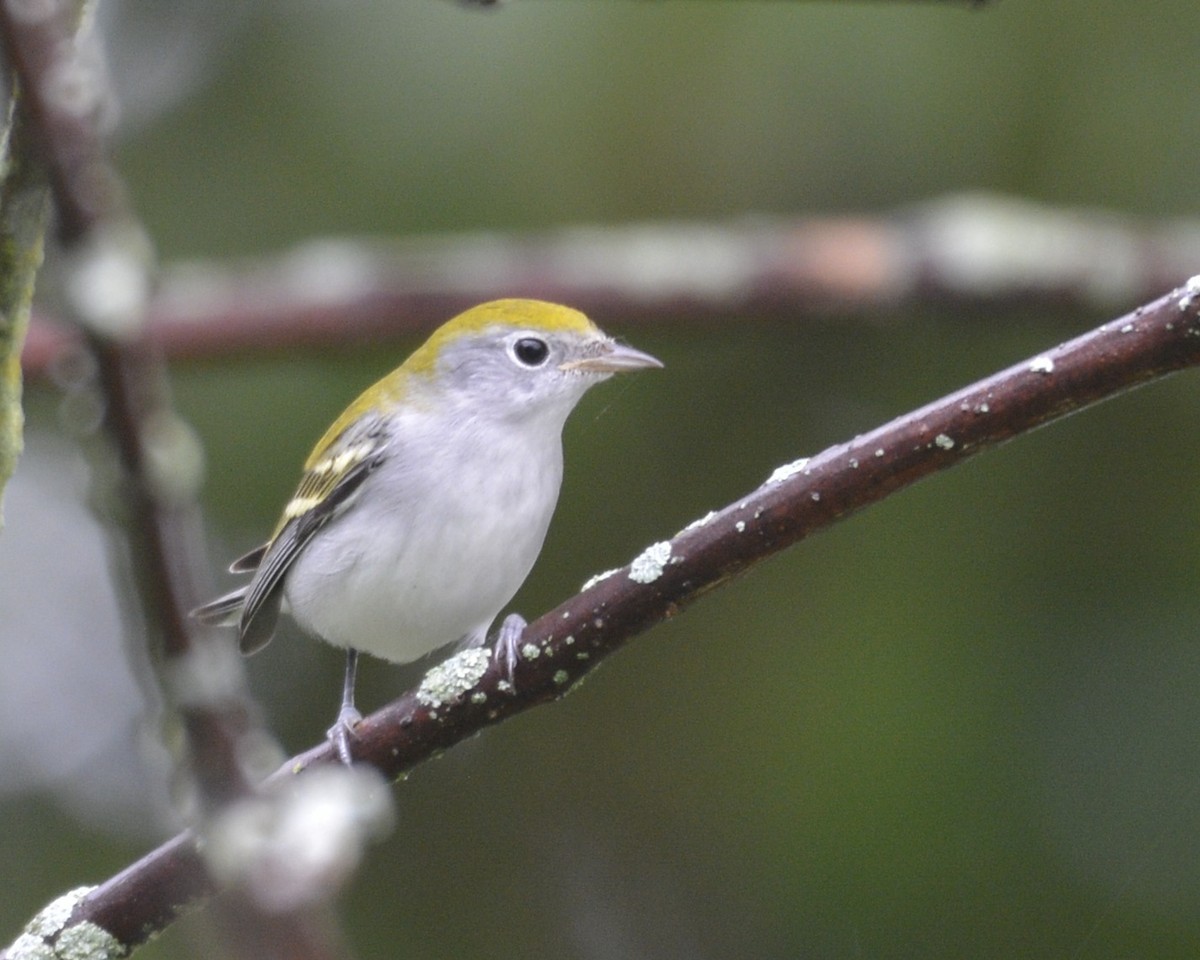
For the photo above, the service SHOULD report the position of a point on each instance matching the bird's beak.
(614, 358)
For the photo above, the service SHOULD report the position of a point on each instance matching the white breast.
(415, 564)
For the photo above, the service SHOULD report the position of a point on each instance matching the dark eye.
(531, 351)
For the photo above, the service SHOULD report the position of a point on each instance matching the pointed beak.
(614, 358)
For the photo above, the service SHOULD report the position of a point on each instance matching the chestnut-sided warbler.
(423, 507)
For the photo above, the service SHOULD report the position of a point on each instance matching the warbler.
(423, 507)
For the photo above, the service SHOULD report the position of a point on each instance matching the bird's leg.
(342, 731)
(506, 649)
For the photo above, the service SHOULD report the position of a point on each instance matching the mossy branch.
(23, 207)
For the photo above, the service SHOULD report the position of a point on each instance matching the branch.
(468, 693)
(975, 251)
(107, 279)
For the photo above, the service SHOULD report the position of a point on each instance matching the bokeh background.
(963, 723)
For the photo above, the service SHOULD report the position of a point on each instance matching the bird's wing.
(332, 476)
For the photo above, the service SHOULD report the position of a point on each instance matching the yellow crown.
(516, 314)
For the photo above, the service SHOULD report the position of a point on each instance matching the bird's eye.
(531, 351)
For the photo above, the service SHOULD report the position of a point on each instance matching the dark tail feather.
(258, 632)
(226, 611)
(222, 612)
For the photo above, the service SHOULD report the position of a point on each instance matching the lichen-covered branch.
(469, 692)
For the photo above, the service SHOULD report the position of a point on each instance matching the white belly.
(412, 566)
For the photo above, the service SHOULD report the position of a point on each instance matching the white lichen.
(47, 936)
(51, 919)
(943, 442)
(531, 651)
(787, 471)
(26, 947)
(87, 941)
(648, 566)
(1191, 290)
(1041, 364)
(449, 680)
(592, 581)
(699, 522)
(740, 526)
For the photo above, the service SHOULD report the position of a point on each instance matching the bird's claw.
(342, 732)
(507, 647)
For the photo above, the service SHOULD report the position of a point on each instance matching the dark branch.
(563, 645)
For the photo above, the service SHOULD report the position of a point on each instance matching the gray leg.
(341, 733)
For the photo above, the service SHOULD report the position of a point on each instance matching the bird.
(421, 510)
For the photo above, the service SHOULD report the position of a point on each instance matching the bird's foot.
(507, 646)
(342, 732)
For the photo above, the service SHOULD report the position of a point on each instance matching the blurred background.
(963, 723)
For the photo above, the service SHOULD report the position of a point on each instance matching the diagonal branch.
(468, 692)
